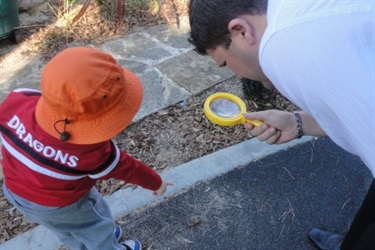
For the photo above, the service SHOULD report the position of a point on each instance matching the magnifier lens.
(225, 108)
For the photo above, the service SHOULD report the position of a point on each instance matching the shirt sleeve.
(133, 171)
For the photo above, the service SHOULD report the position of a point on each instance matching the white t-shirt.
(321, 56)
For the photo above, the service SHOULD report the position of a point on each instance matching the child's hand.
(162, 188)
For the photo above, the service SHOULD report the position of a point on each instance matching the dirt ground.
(163, 140)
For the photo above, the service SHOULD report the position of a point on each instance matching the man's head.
(87, 97)
(209, 20)
(230, 32)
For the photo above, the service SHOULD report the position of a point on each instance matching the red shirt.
(50, 172)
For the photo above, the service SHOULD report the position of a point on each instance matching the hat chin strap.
(64, 136)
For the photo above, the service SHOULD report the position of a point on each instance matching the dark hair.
(209, 20)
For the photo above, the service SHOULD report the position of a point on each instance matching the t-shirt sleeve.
(134, 171)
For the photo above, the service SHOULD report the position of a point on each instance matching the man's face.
(242, 60)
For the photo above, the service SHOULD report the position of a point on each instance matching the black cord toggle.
(64, 136)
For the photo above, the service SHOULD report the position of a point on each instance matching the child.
(57, 143)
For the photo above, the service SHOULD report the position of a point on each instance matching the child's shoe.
(118, 232)
(132, 245)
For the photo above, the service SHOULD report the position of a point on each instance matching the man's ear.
(239, 28)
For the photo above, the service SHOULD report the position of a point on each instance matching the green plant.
(136, 4)
(69, 11)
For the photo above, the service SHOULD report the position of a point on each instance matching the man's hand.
(279, 126)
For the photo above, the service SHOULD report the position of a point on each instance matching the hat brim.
(103, 128)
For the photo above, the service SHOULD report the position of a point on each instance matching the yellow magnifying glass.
(226, 109)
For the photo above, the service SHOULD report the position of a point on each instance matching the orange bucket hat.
(87, 95)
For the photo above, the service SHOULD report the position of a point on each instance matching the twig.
(346, 179)
(82, 11)
(177, 14)
(120, 14)
(345, 203)
(282, 230)
(312, 154)
(292, 211)
(289, 173)
(286, 213)
(164, 12)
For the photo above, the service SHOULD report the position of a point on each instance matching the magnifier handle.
(255, 123)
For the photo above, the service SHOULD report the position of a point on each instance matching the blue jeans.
(85, 224)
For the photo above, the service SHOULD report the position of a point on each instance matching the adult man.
(318, 54)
